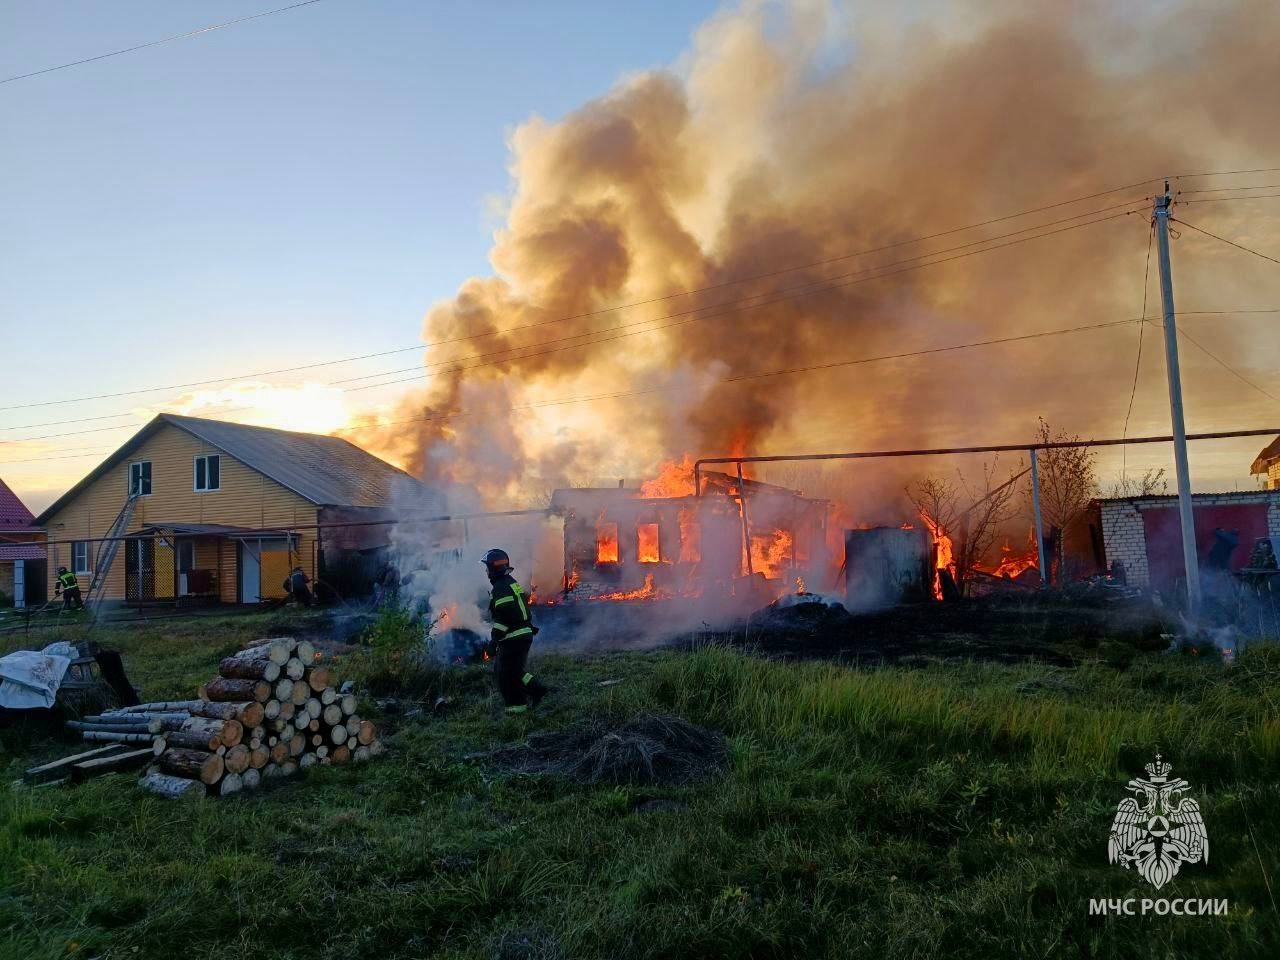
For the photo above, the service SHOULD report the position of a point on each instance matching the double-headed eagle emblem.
(1156, 830)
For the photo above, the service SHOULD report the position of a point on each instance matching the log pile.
(270, 712)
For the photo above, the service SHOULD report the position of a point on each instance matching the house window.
(208, 472)
(140, 478)
(80, 557)
(606, 543)
(186, 556)
(647, 549)
(690, 538)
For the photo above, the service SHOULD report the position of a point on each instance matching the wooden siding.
(246, 499)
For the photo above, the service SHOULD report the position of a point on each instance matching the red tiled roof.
(12, 511)
(21, 551)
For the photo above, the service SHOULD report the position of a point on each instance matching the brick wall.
(1124, 535)
(1273, 476)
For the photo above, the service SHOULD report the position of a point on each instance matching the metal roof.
(14, 514)
(328, 471)
(1269, 455)
(21, 551)
(207, 530)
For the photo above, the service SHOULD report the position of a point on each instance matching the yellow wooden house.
(190, 508)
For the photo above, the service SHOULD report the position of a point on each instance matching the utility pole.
(1189, 558)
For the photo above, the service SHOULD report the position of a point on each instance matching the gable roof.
(1269, 455)
(328, 471)
(14, 514)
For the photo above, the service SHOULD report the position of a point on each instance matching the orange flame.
(647, 540)
(771, 552)
(606, 542)
(1010, 566)
(674, 479)
(690, 537)
(647, 592)
(944, 551)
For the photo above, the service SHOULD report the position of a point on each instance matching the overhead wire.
(156, 43)
(647, 301)
(1137, 365)
(610, 309)
(690, 315)
(926, 351)
(1238, 246)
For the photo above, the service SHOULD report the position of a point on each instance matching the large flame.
(674, 479)
(690, 536)
(647, 543)
(943, 551)
(606, 541)
(771, 552)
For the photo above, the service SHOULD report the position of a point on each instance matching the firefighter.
(512, 635)
(69, 587)
(296, 584)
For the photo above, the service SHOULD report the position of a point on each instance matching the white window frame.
(76, 547)
(206, 457)
(151, 477)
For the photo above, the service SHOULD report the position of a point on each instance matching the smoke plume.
(800, 133)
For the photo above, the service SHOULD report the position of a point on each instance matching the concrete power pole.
(1189, 558)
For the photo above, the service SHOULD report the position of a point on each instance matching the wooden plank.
(60, 767)
(129, 760)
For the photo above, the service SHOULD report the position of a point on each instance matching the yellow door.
(164, 569)
(275, 569)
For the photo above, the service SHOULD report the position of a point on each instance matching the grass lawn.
(957, 810)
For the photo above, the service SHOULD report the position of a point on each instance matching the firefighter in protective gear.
(512, 635)
(69, 587)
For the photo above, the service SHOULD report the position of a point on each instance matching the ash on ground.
(648, 749)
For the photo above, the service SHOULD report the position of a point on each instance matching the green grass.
(955, 810)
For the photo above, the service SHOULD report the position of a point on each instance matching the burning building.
(666, 539)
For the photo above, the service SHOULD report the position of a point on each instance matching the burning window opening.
(690, 537)
(647, 545)
(771, 553)
(606, 543)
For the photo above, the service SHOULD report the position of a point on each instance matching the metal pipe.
(1035, 506)
(1000, 448)
(746, 523)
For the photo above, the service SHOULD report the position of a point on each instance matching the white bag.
(30, 679)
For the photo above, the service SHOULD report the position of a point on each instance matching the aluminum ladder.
(107, 555)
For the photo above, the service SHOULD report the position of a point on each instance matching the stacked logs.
(270, 712)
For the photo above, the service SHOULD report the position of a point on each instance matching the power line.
(734, 307)
(722, 309)
(1256, 186)
(1137, 365)
(752, 376)
(1226, 366)
(602, 310)
(926, 351)
(1238, 246)
(73, 456)
(645, 302)
(156, 43)
(1256, 196)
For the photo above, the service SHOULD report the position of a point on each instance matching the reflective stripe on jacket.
(509, 611)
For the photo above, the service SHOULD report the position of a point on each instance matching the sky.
(284, 191)
(308, 185)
